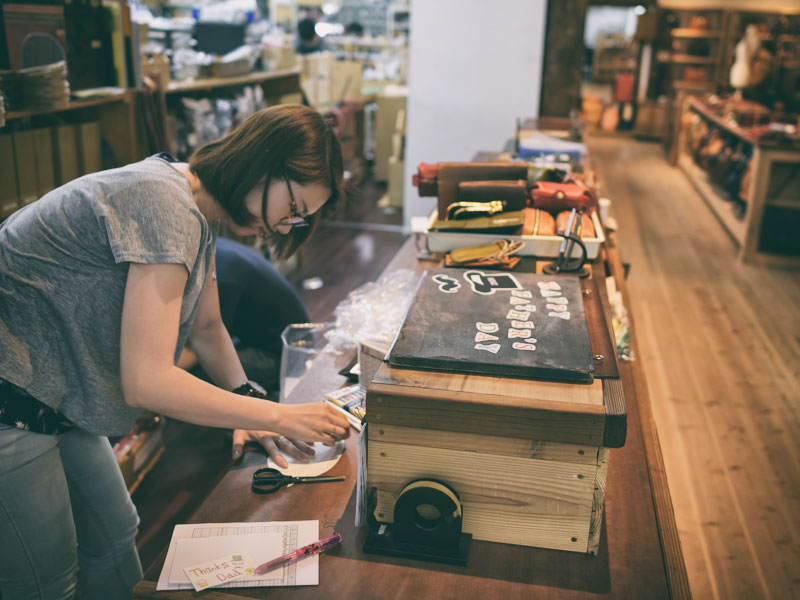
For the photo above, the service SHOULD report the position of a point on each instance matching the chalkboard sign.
(496, 323)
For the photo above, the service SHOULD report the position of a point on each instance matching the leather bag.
(555, 197)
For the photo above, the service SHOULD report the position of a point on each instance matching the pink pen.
(299, 554)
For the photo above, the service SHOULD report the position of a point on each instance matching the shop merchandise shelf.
(766, 233)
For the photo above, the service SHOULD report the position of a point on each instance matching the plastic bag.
(374, 311)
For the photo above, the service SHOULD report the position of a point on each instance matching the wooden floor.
(720, 342)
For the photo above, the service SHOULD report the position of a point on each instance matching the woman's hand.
(275, 444)
(313, 423)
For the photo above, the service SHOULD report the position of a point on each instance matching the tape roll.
(440, 525)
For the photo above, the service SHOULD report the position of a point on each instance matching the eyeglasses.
(295, 219)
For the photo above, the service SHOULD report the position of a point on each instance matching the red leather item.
(623, 87)
(555, 197)
(428, 170)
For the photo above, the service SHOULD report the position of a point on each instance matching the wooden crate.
(527, 458)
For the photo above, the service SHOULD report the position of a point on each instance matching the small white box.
(535, 245)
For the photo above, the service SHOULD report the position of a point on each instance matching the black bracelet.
(251, 388)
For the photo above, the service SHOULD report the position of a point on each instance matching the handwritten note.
(220, 570)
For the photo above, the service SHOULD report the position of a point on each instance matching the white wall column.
(475, 66)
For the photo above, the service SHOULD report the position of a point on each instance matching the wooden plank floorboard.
(720, 343)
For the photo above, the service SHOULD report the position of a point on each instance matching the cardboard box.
(324, 97)
(316, 64)
(9, 197)
(279, 57)
(318, 92)
(346, 81)
(157, 67)
(45, 169)
(547, 246)
(527, 458)
(309, 88)
(25, 160)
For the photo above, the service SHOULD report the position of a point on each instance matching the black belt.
(21, 410)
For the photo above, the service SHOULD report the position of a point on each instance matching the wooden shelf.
(784, 203)
(218, 82)
(748, 232)
(74, 105)
(693, 85)
(721, 208)
(783, 37)
(688, 59)
(700, 107)
(684, 32)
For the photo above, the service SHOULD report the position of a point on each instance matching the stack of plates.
(36, 88)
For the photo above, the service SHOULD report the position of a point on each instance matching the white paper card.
(196, 543)
(323, 460)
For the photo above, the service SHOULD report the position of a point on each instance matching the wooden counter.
(639, 554)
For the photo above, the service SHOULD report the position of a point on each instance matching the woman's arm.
(150, 380)
(211, 341)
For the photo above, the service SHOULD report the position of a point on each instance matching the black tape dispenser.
(427, 525)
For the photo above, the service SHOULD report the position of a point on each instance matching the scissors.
(267, 480)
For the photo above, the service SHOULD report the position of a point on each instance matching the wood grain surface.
(484, 444)
(506, 499)
(505, 390)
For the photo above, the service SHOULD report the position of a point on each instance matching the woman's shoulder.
(153, 171)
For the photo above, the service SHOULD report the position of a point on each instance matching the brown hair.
(288, 138)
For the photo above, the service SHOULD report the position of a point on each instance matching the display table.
(639, 553)
(767, 234)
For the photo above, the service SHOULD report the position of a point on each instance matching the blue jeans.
(65, 515)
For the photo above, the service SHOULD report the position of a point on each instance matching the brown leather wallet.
(513, 194)
(451, 174)
(537, 222)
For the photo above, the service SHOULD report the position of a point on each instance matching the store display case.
(747, 169)
(689, 50)
(694, 50)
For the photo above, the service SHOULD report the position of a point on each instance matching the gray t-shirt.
(63, 268)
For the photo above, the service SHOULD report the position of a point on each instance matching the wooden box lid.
(590, 414)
